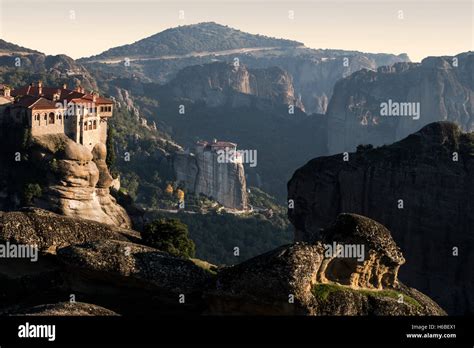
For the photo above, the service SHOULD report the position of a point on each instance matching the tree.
(111, 158)
(171, 236)
(30, 192)
(180, 195)
(169, 190)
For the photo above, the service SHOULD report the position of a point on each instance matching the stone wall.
(46, 122)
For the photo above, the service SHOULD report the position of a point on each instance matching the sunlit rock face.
(79, 183)
(384, 106)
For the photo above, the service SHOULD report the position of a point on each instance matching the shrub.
(171, 236)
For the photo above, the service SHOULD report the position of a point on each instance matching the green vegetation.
(208, 267)
(169, 235)
(194, 38)
(322, 292)
(30, 192)
(140, 156)
(216, 235)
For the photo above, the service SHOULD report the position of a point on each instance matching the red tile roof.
(36, 103)
(65, 94)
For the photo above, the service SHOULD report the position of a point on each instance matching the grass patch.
(208, 267)
(322, 291)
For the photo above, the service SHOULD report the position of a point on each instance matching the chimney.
(6, 91)
(40, 87)
(64, 86)
(57, 95)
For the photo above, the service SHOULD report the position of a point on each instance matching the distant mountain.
(20, 66)
(437, 89)
(8, 47)
(160, 57)
(202, 37)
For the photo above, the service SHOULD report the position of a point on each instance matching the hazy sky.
(82, 28)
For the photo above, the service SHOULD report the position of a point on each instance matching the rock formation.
(421, 188)
(80, 183)
(442, 87)
(110, 271)
(69, 309)
(201, 172)
(381, 261)
(302, 279)
(220, 83)
(49, 231)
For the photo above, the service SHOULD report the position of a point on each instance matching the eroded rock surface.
(303, 279)
(80, 182)
(62, 309)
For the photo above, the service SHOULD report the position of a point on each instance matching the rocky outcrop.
(220, 83)
(79, 183)
(39, 278)
(421, 188)
(202, 173)
(438, 88)
(106, 268)
(49, 231)
(315, 72)
(133, 264)
(380, 261)
(303, 279)
(67, 309)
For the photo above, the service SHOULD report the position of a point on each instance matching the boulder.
(61, 309)
(49, 231)
(303, 279)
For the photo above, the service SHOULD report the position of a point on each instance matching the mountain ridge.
(193, 38)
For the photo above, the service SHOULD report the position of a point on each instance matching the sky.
(83, 28)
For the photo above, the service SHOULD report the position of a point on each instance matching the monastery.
(79, 115)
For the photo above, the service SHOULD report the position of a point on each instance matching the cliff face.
(441, 87)
(80, 185)
(315, 72)
(421, 188)
(217, 84)
(202, 173)
(72, 180)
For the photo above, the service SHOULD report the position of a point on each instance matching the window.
(51, 118)
(95, 124)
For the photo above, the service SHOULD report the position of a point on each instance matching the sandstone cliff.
(79, 184)
(202, 173)
(443, 87)
(220, 83)
(67, 178)
(421, 188)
